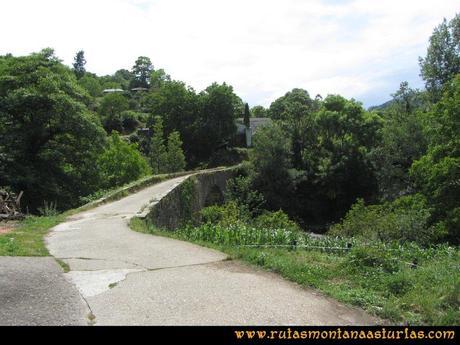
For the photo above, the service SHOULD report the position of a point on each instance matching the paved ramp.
(129, 278)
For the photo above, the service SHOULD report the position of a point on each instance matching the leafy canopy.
(442, 61)
(49, 139)
(437, 173)
(121, 162)
(79, 64)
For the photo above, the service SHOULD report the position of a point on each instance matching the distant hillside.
(382, 106)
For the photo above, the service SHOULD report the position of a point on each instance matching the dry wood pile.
(10, 205)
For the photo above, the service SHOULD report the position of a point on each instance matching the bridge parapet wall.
(188, 198)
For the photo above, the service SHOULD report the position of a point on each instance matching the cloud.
(263, 48)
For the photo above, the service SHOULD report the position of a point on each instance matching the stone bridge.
(197, 191)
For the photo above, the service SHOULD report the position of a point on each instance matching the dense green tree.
(204, 121)
(437, 173)
(142, 72)
(175, 158)
(297, 97)
(91, 84)
(216, 122)
(271, 161)
(79, 64)
(158, 78)
(123, 77)
(131, 120)
(442, 61)
(107, 82)
(402, 142)
(339, 170)
(49, 140)
(407, 100)
(247, 115)
(259, 111)
(178, 105)
(326, 166)
(111, 107)
(295, 109)
(238, 106)
(121, 163)
(240, 191)
(271, 155)
(158, 155)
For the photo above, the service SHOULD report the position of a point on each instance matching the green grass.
(27, 238)
(65, 267)
(376, 277)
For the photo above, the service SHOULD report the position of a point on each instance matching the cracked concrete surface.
(129, 278)
(93, 283)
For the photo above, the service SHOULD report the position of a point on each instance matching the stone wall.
(188, 198)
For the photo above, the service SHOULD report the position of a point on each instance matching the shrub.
(275, 220)
(229, 213)
(93, 196)
(239, 190)
(130, 120)
(175, 158)
(405, 219)
(362, 258)
(399, 283)
(113, 122)
(121, 163)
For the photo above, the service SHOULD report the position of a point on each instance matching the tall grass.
(241, 234)
(404, 283)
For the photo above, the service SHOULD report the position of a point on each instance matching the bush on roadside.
(227, 214)
(275, 220)
(364, 257)
(93, 196)
(240, 191)
(405, 219)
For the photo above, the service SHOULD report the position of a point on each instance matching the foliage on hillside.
(49, 139)
(316, 159)
(53, 145)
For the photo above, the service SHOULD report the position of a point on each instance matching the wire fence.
(412, 264)
(293, 246)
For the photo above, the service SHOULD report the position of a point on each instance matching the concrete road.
(129, 278)
(34, 292)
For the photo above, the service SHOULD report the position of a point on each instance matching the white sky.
(264, 48)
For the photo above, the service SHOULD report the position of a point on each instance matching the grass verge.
(27, 239)
(376, 278)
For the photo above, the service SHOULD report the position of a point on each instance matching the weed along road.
(130, 278)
